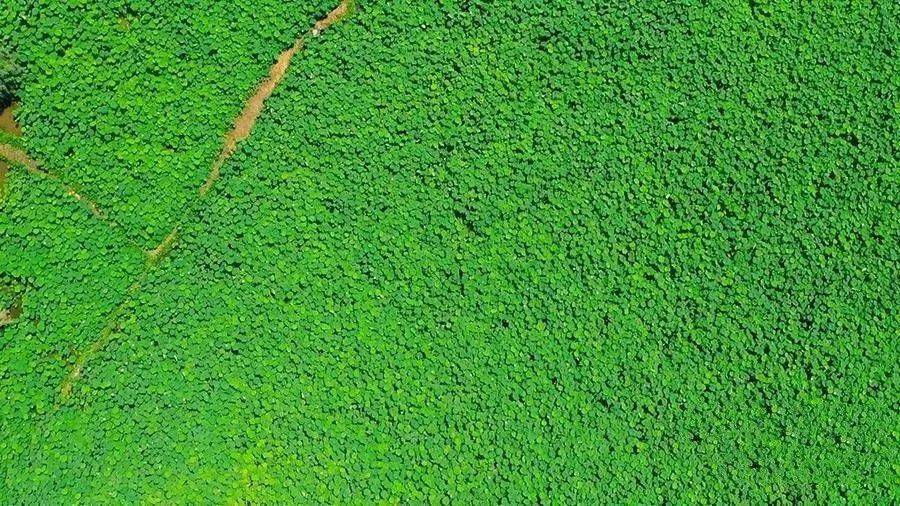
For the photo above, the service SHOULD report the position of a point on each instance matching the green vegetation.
(10, 77)
(530, 251)
(130, 98)
(10, 140)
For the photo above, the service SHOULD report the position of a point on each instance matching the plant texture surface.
(509, 251)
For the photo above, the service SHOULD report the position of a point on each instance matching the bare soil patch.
(253, 107)
(11, 314)
(8, 122)
(16, 155)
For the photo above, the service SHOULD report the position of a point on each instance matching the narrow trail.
(336, 14)
(8, 126)
(16, 156)
(8, 120)
(11, 314)
(253, 107)
(241, 130)
(244, 123)
(161, 249)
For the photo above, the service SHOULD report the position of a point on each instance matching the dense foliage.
(129, 98)
(10, 77)
(520, 251)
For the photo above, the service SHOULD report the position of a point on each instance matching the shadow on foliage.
(12, 290)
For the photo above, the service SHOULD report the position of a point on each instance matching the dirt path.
(7, 124)
(244, 123)
(17, 156)
(253, 107)
(6, 317)
(333, 17)
(243, 126)
(157, 253)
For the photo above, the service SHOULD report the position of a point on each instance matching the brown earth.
(7, 121)
(7, 124)
(253, 107)
(333, 17)
(11, 314)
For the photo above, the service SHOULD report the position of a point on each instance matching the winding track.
(243, 127)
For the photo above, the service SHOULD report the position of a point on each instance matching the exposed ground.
(11, 314)
(7, 121)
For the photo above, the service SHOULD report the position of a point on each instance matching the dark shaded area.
(10, 78)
